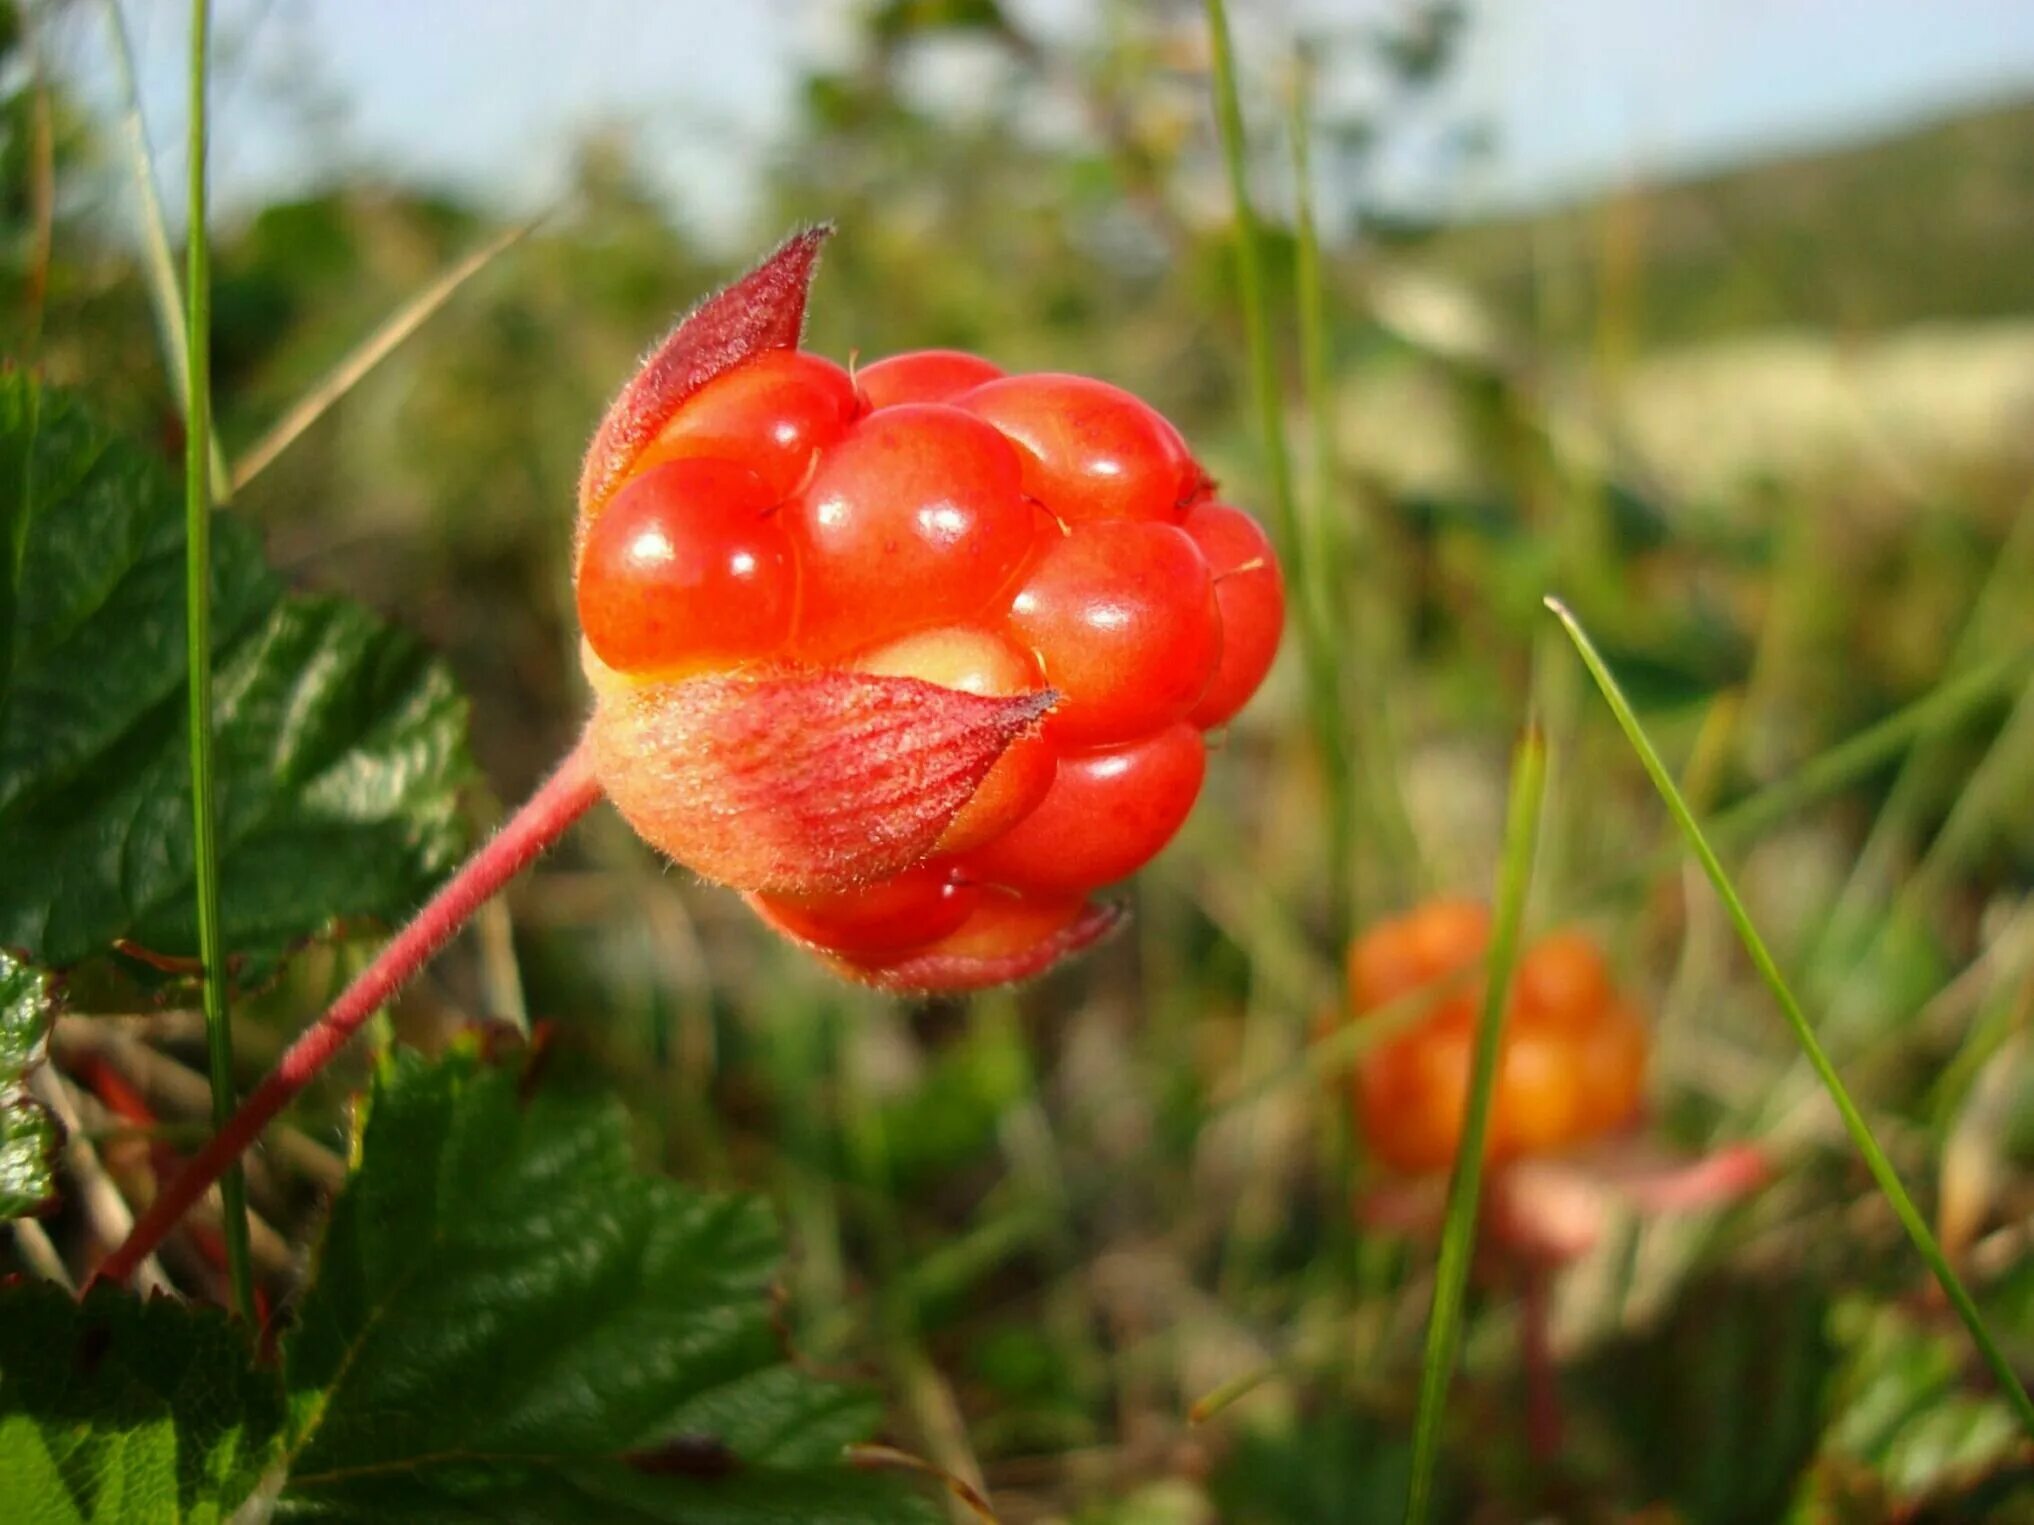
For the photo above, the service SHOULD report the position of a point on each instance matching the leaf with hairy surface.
(508, 1321)
(340, 743)
(27, 1133)
(119, 1410)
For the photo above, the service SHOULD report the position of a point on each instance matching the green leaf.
(340, 742)
(509, 1322)
(119, 1410)
(27, 1135)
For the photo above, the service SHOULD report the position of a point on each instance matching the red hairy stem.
(567, 795)
(1544, 1424)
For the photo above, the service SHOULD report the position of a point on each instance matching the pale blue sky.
(491, 94)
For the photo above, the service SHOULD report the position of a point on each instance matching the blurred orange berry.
(1572, 1061)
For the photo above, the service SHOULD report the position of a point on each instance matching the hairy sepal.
(954, 967)
(799, 781)
(764, 310)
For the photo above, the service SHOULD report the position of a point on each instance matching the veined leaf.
(509, 1322)
(116, 1410)
(27, 1133)
(339, 742)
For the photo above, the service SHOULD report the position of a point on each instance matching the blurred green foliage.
(1766, 432)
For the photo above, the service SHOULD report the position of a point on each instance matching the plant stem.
(198, 604)
(1542, 1378)
(567, 795)
(1317, 643)
(157, 263)
(1324, 559)
(1458, 1229)
(1346, 547)
(1860, 1131)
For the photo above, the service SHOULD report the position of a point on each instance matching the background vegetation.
(1770, 434)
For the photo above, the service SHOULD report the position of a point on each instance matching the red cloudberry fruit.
(926, 375)
(1572, 1063)
(753, 528)
(914, 519)
(1105, 815)
(908, 910)
(1123, 619)
(825, 619)
(1090, 450)
(974, 661)
(684, 568)
(773, 414)
(1250, 599)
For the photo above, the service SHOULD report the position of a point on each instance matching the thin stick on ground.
(32, 1242)
(105, 1210)
(165, 1080)
(1769, 970)
(569, 793)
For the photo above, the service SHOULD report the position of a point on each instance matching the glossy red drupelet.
(933, 519)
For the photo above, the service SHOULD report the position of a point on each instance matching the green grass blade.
(1340, 554)
(1898, 819)
(1937, 712)
(198, 596)
(1458, 1229)
(1762, 959)
(1317, 644)
(1323, 557)
(158, 264)
(369, 353)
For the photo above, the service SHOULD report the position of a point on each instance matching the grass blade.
(1341, 539)
(158, 264)
(1762, 958)
(1934, 714)
(1898, 820)
(1316, 629)
(369, 353)
(198, 598)
(1458, 1229)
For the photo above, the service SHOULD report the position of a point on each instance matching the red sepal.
(799, 781)
(764, 310)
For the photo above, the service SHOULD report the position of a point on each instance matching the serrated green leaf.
(118, 1410)
(508, 1322)
(340, 742)
(27, 1134)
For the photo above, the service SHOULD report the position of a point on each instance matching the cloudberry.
(1571, 1066)
(825, 619)
(919, 657)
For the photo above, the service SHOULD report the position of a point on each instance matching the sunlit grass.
(1868, 1148)
(198, 651)
(1465, 1185)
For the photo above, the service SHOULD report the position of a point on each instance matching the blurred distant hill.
(1929, 224)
